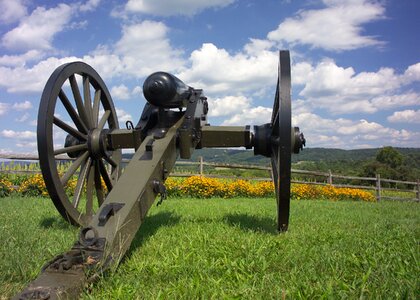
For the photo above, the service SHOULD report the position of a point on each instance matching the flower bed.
(201, 187)
(204, 187)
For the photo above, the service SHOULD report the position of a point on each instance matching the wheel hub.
(97, 142)
(264, 139)
(72, 141)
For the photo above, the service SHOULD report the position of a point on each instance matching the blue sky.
(355, 63)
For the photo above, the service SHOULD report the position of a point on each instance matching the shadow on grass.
(253, 223)
(54, 223)
(149, 227)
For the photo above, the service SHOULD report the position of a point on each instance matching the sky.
(355, 63)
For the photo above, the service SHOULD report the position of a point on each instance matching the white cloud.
(22, 79)
(6, 152)
(123, 116)
(337, 27)
(412, 73)
(19, 106)
(142, 49)
(346, 133)
(20, 59)
(405, 116)
(397, 100)
(137, 91)
(172, 7)
(4, 108)
(78, 25)
(227, 105)
(328, 79)
(24, 135)
(256, 46)
(12, 11)
(342, 90)
(362, 126)
(145, 48)
(104, 62)
(301, 73)
(37, 30)
(32, 146)
(120, 92)
(25, 117)
(250, 116)
(217, 71)
(89, 5)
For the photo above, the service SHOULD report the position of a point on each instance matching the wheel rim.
(281, 138)
(66, 109)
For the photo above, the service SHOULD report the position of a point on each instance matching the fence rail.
(372, 183)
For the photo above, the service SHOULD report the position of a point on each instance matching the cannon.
(110, 204)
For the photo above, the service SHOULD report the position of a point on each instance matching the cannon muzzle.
(165, 90)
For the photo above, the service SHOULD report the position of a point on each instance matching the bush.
(328, 192)
(33, 186)
(204, 187)
(6, 187)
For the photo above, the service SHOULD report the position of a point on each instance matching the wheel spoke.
(71, 149)
(84, 170)
(275, 125)
(69, 129)
(74, 166)
(89, 190)
(72, 112)
(95, 112)
(88, 100)
(98, 184)
(109, 160)
(78, 99)
(105, 175)
(103, 120)
(275, 166)
(276, 100)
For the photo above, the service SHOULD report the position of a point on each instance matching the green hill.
(240, 156)
(339, 161)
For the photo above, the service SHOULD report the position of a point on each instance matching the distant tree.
(372, 168)
(390, 157)
(389, 163)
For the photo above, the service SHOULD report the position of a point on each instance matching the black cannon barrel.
(166, 90)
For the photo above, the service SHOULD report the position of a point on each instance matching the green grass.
(228, 248)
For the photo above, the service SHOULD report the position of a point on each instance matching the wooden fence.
(382, 187)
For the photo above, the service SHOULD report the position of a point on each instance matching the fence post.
(201, 166)
(418, 190)
(378, 187)
(330, 178)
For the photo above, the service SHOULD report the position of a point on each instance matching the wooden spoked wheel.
(281, 141)
(77, 167)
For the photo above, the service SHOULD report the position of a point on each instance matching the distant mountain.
(238, 156)
(330, 154)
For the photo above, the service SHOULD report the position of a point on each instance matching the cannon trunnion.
(110, 205)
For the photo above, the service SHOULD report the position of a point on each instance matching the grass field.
(228, 248)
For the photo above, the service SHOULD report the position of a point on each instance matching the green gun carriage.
(110, 203)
